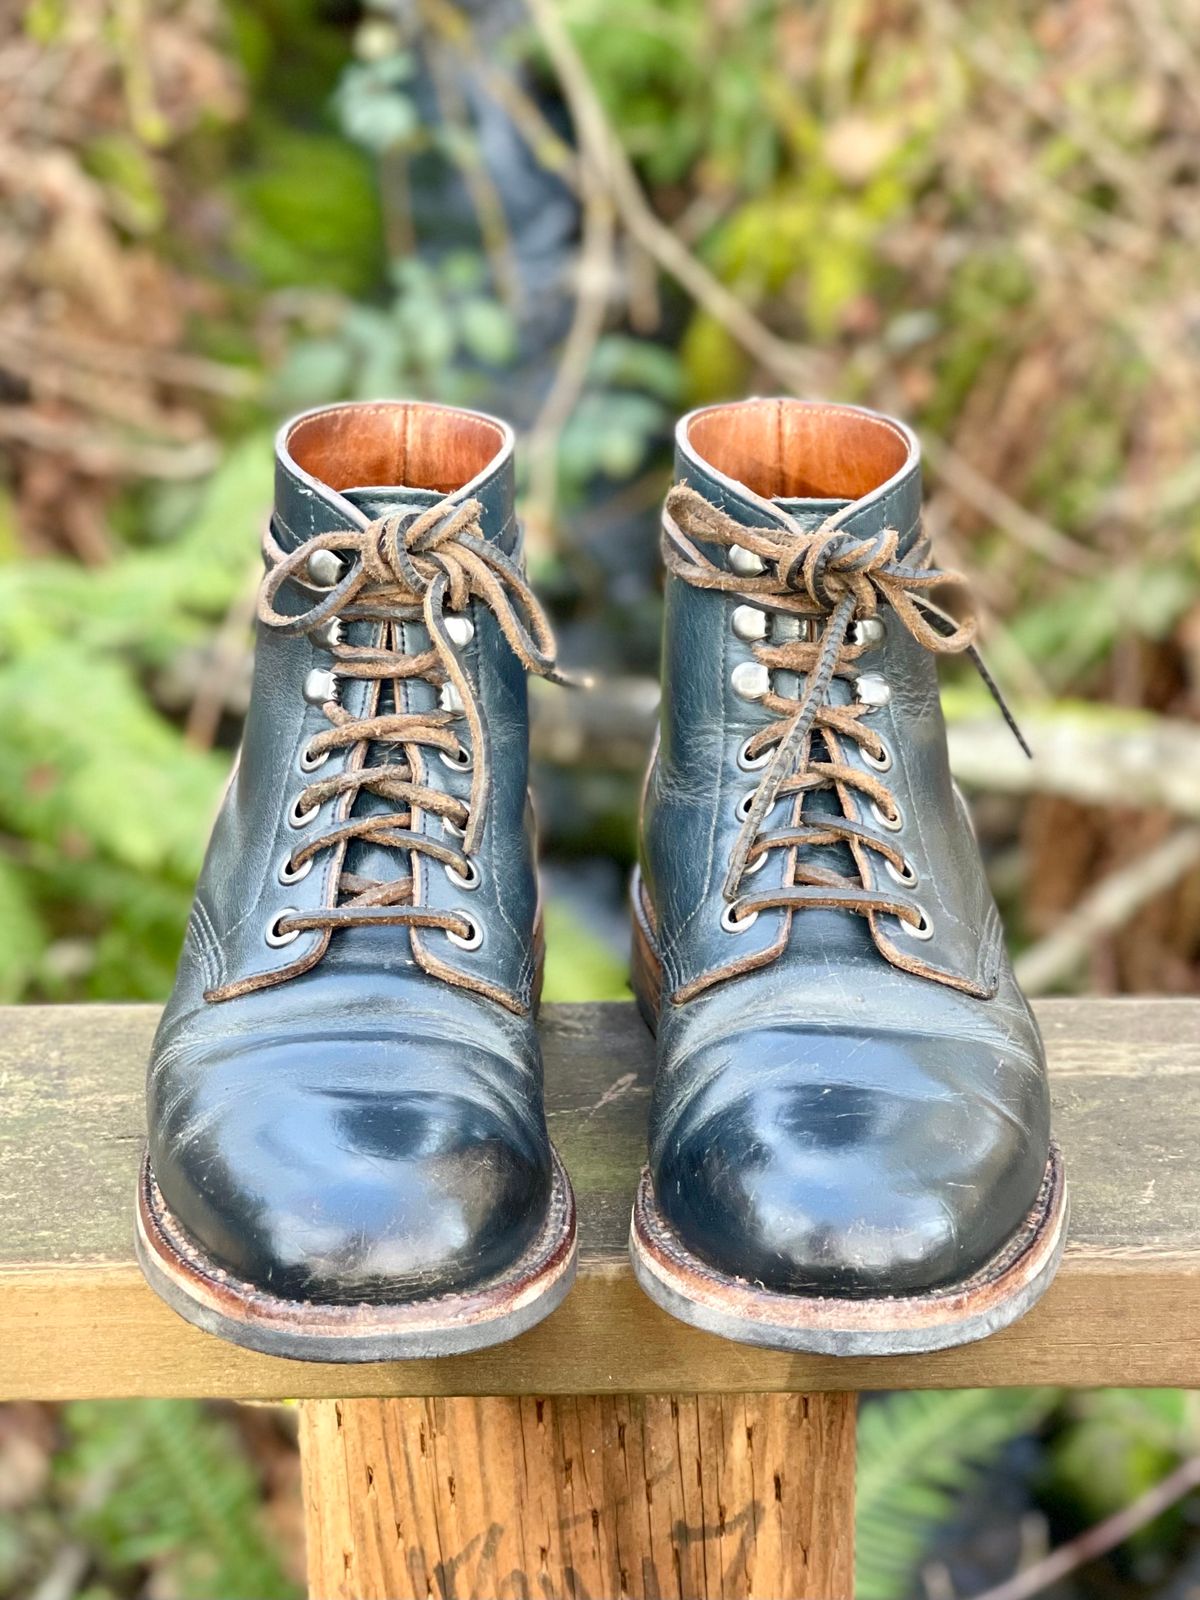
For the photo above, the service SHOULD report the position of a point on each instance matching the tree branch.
(1106, 908)
(1098, 1540)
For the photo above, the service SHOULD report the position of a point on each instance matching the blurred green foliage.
(163, 1484)
(579, 966)
(144, 1497)
(110, 801)
(847, 194)
(296, 207)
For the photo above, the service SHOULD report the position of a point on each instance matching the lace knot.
(414, 548)
(833, 564)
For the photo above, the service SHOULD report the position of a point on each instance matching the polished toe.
(852, 1164)
(307, 1170)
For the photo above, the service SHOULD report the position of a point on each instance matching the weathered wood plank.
(76, 1320)
(577, 1497)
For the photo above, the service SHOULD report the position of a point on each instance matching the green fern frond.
(917, 1451)
(165, 1482)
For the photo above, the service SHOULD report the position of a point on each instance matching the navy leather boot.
(849, 1143)
(348, 1157)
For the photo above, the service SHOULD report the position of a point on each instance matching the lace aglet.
(571, 680)
(1013, 725)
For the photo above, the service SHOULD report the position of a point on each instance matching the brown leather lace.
(404, 566)
(836, 576)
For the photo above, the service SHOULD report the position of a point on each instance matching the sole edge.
(219, 1303)
(993, 1298)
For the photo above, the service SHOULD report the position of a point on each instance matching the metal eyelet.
(462, 762)
(756, 865)
(881, 763)
(892, 824)
(749, 763)
(742, 810)
(460, 630)
(290, 874)
(732, 924)
(473, 940)
(276, 939)
(907, 879)
(309, 762)
(453, 827)
(301, 819)
(923, 930)
(465, 880)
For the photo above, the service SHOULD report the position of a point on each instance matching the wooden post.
(594, 1497)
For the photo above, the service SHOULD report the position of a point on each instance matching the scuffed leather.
(364, 1129)
(836, 1125)
(823, 1118)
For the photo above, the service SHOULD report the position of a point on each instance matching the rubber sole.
(1002, 1291)
(992, 1298)
(302, 1330)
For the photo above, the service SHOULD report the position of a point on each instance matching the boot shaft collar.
(338, 467)
(837, 465)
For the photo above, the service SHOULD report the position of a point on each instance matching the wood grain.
(580, 1497)
(76, 1319)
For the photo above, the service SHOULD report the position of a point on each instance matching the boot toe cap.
(363, 1192)
(854, 1166)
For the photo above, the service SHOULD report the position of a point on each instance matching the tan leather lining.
(397, 444)
(795, 449)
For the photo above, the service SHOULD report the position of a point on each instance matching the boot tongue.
(810, 514)
(365, 859)
(378, 502)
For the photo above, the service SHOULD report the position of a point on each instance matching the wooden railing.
(611, 1451)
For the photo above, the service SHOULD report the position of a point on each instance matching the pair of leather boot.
(849, 1134)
